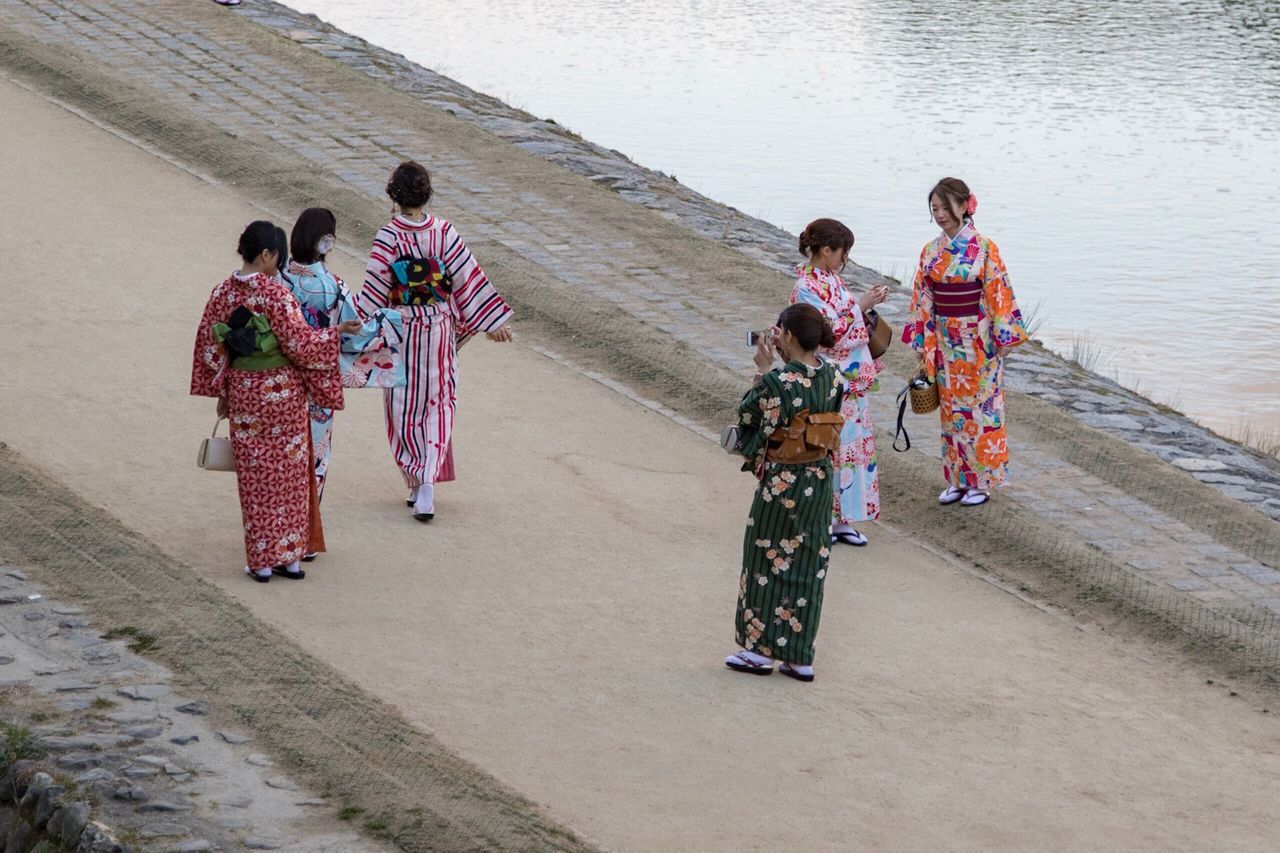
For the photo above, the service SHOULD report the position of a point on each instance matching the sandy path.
(561, 622)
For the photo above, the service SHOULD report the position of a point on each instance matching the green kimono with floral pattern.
(788, 539)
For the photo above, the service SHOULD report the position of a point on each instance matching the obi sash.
(249, 341)
(420, 281)
(956, 299)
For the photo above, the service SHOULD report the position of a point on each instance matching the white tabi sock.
(413, 494)
(800, 670)
(426, 499)
(293, 568)
(262, 573)
(758, 660)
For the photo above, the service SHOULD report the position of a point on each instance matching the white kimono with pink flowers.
(857, 484)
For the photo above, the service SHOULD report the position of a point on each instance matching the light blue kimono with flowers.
(325, 302)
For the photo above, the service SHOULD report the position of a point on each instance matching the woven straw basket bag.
(923, 394)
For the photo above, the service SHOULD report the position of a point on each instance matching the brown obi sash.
(808, 438)
(956, 299)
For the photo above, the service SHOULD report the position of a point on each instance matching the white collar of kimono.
(966, 231)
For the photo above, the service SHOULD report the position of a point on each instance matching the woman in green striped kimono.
(788, 538)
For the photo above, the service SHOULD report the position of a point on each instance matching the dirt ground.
(561, 623)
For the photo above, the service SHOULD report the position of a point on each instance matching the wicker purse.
(924, 395)
(879, 333)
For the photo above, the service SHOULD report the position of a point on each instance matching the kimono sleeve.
(920, 311)
(376, 291)
(209, 361)
(476, 304)
(346, 309)
(307, 348)
(1007, 329)
(759, 414)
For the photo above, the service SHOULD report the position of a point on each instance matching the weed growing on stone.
(350, 813)
(102, 703)
(140, 641)
(18, 744)
(379, 826)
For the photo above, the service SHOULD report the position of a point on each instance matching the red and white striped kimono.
(420, 415)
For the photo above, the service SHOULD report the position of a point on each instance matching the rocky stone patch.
(94, 737)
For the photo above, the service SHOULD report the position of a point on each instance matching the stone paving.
(164, 775)
(160, 48)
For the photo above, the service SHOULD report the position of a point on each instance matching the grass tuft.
(18, 743)
(140, 641)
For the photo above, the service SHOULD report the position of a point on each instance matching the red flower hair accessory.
(971, 206)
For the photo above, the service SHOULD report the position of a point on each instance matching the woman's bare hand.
(501, 335)
(873, 297)
(351, 327)
(765, 348)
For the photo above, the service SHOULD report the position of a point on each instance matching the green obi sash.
(265, 354)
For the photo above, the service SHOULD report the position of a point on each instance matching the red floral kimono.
(270, 425)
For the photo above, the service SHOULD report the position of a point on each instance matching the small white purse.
(215, 453)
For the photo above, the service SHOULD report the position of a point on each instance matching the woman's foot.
(292, 571)
(310, 556)
(424, 504)
(259, 575)
(847, 535)
(413, 496)
(974, 497)
(227, 2)
(745, 661)
(950, 495)
(799, 673)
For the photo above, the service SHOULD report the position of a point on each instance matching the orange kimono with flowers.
(963, 319)
(270, 423)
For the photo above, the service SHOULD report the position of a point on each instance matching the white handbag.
(215, 453)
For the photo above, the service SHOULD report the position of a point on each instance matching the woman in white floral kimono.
(826, 243)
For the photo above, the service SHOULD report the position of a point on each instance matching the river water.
(1126, 155)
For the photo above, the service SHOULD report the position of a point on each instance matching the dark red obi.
(956, 299)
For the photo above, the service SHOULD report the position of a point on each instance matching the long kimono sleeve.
(209, 361)
(476, 303)
(307, 348)
(999, 305)
(376, 291)
(758, 416)
(852, 337)
(919, 331)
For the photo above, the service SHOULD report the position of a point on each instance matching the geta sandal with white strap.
(739, 662)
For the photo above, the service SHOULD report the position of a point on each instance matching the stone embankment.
(96, 736)
(1236, 471)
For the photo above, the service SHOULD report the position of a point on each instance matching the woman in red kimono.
(257, 355)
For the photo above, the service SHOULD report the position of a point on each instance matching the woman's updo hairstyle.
(825, 233)
(810, 329)
(410, 185)
(955, 194)
(263, 236)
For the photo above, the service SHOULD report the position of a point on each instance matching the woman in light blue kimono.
(325, 302)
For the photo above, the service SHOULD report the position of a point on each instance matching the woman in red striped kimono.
(257, 355)
(420, 266)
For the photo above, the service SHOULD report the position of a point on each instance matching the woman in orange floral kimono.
(257, 355)
(963, 320)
